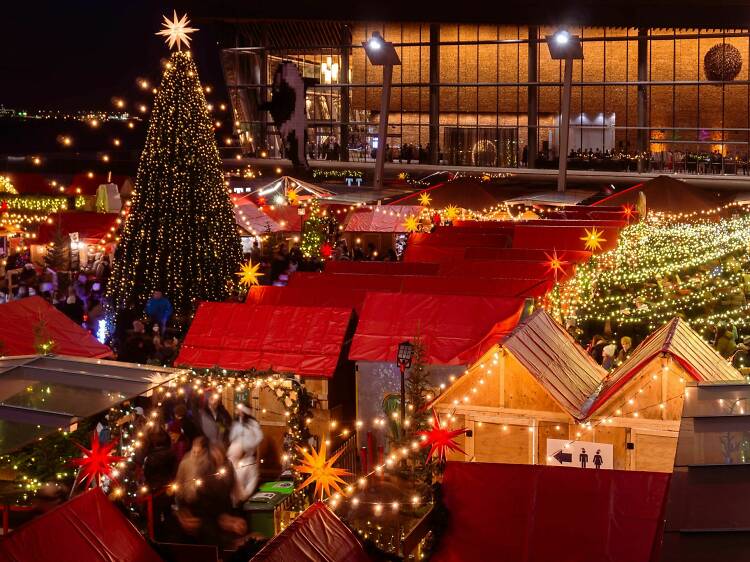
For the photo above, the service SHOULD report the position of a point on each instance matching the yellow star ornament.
(424, 199)
(292, 196)
(593, 239)
(249, 274)
(451, 212)
(321, 471)
(411, 224)
(177, 31)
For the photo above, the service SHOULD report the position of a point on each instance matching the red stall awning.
(317, 535)
(87, 528)
(91, 227)
(451, 326)
(296, 339)
(19, 319)
(528, 513)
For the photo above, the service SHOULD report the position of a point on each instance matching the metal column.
(346, 39)
(642, 108)
(434, 140)
(533, 114)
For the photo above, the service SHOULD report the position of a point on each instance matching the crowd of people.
(198, 464)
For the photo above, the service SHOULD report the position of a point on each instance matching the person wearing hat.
(244, 438)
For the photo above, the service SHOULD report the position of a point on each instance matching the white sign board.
(579, 454)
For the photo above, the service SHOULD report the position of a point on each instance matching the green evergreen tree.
(55, 257)
(180, 236)
(313, 231)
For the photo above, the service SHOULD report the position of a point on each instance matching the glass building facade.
(490, 95)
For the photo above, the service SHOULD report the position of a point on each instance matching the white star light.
(177, 31)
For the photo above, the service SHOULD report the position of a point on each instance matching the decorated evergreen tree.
(180, 236)
(314, 231)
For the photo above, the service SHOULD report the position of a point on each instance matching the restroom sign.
(579, 454)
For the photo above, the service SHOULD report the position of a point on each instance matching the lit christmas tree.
(660, 269)
(180, 236)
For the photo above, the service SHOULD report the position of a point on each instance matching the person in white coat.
(244, 438)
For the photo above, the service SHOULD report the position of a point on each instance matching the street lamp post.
(564, 46)
(382, 53)
(403, 360)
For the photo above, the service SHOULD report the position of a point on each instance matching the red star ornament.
(440, 439)
(96, 462)
(555, 264)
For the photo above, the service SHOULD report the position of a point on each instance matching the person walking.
(244, 439)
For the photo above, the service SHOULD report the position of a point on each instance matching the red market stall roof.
(432, 284)
(467, 193)
(286, 216)
(451, 326)
(528, 513)
(31, 184)
(21, 317)
(562, 238)
(87, 528)
(91, 227)
(305, 296)
(669, 195)
(680, 342)
(529, 254)
(503, 269)
(381, 267)
(316, 535)
(39, 184)
(387, 218)
(557, 362)
(301, 340)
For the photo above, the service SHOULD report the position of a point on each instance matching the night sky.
(81, 53)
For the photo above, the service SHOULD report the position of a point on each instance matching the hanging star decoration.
(424, 199)
(321, 471)
(292, 196)
(411, 224)
(177, 31)
(451, 212)
(628, 211)
(593, 239)
(249, 274)
(96, 462)
(555, 263)
(440, 439)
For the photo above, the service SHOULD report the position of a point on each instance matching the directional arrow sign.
(562, 457)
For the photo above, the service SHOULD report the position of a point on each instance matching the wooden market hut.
(540, 384)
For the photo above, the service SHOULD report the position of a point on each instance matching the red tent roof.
(382, 267)
(316, 535)
(664, 193)
(286, 216)
(530, 513)
(19, 318)
(557, 362)
(87, 528)
(90, 226)
(387, 218)
(451, 326)
(302, 340)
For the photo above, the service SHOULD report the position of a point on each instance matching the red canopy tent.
(451, 326)
(531, 513)
(316, 535)
(382, 267)
(565, 238)
(389, 218)
(87, 528)
(301, 340)
(21, 317)
(92, 227)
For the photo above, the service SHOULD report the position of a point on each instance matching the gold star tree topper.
(249, 274)
(177, 31)
(321, 471)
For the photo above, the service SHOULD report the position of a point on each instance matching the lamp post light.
(403, 360)
(564, 46)
(382, 53)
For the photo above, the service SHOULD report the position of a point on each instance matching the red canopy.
(530, 513)
(388, 218)
(20, 318)
(382, 267)
(316, 535)
(89, 226)
(297, 339)
(86, 528)
(451, 326)
(564, 238)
